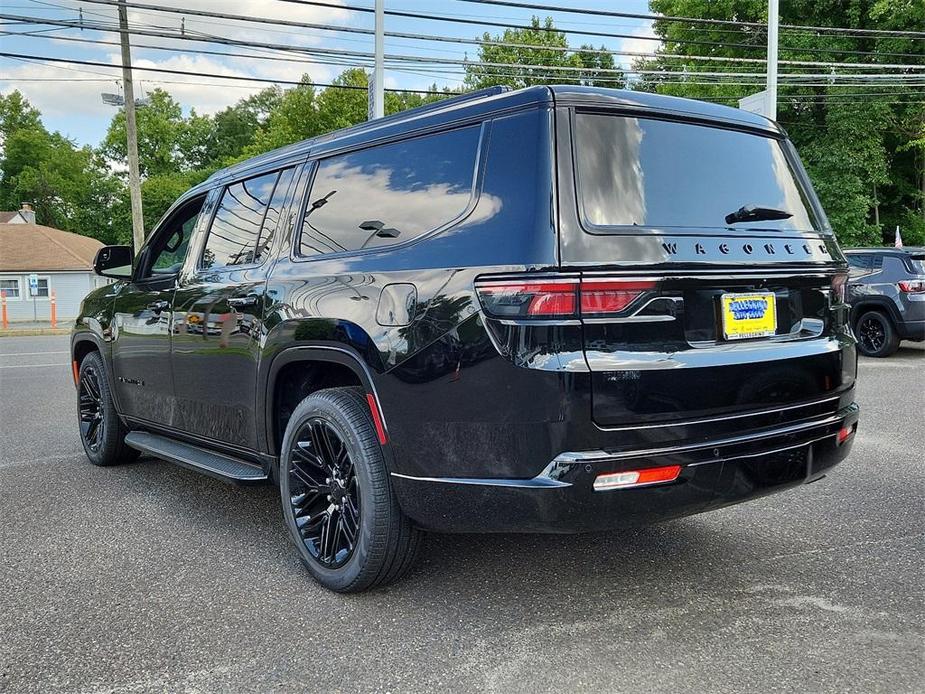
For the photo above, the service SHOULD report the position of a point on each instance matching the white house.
(57, 260)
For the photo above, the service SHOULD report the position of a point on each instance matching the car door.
(141, 327)
(219, 307)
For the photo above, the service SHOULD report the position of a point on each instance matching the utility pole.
(771, 92)
(378, 76)
(131, 132)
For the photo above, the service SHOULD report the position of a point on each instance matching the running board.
(186, 455)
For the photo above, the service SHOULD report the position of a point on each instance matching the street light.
(119, 100)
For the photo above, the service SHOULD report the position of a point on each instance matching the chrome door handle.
(242, 301)
(158, 306)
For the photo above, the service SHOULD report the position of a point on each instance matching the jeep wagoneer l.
(557, 309)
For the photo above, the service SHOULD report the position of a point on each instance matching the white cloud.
(59, 93)
(637, 45)
(76, 99)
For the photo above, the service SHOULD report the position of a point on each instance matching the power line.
(688, 20)
(94, 63)
(561, 71)
(577, 32)
(483, 42)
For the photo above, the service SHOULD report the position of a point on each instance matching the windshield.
(658, 173)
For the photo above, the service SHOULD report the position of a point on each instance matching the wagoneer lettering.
(558, 309)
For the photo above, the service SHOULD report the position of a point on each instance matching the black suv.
(557, 309)
(886, 290)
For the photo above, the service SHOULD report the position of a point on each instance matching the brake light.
(569, 298)
(912, 286)
(838, 288)
(637, 478)
(611, 296)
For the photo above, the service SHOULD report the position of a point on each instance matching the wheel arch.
(301, 360)
(876, 303)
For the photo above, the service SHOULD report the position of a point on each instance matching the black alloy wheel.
(90, 403)
(876, 335)
(337, 497)
(324, 493)
(101, 431)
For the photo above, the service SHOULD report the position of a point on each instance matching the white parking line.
(26, 366)
(29, 354)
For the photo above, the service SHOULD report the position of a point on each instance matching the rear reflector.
(845, 433)
(377, 418)
(637, 478)
(568, 298)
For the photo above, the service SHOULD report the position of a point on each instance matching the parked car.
(557, 309)
(886, 290)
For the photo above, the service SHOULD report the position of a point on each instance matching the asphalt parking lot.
(149, 578)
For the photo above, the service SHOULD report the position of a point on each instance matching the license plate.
(749, 315)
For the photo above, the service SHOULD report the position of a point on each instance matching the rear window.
(917, 264)
(655, 173)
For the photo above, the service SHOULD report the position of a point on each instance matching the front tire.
(876, 335)
(101, 431)
(337, 498)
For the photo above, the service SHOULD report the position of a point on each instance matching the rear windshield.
(917, 264)
(657, 173)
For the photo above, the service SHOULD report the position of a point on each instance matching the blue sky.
(69, 95)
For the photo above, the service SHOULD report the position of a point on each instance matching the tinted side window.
(391, 193)
(271, 220)
(169, 252)
(876, 263)
(858, 263)
(236, 226)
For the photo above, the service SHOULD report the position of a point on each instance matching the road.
(148, 578)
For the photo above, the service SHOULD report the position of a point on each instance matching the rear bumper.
(561, 499)
(912, 330)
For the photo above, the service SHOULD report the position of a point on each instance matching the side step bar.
(186, 455)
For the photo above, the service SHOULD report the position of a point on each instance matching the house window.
(42, 290)
(10, 285)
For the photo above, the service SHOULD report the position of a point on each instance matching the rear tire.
(101, 431)
(876, 334)
(337, 497)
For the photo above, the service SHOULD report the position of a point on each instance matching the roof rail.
(442, 103)
(359, 127)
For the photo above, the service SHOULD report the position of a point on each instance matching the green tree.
(160, 128)
(541, 45)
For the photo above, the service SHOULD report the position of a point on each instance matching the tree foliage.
(541, 45)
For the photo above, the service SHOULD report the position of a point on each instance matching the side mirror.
(114, 261)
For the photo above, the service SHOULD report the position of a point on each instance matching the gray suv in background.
(886, 290)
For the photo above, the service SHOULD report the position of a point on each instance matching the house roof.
(35, 247)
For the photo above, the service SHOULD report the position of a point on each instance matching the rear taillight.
(838, 288)
(547, 299)
(912, 286)
(569, 298)
(610, 296)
